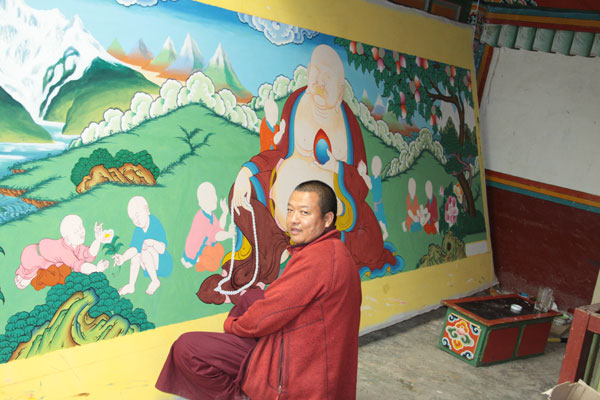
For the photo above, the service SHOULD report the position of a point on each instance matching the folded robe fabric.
(50, 277)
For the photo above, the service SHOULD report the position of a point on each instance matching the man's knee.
(187, 351)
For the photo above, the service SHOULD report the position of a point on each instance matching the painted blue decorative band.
(252, 167)
(260, 195)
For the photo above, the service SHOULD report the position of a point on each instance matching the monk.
(263, 185)
(298, 339)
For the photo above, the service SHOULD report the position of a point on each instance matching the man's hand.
(242, 190)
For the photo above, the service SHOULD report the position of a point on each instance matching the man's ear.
(328, 219)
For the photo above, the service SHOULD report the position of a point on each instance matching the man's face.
(304, 220)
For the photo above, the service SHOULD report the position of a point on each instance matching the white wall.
(540, 118)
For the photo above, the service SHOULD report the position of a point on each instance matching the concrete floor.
(404, 361)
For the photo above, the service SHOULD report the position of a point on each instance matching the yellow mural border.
(374, 24)
(127, 366)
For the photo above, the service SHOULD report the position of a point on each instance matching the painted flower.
(375, 52)
(380, 65)
(422, 62)
(360, 48)
(468, 80)
(462, 328)
(451, 211)
(458, 191)
(403, 111)
(107, 236)
(403, 105)
(402, 61)
(353, 47)
(417, 82)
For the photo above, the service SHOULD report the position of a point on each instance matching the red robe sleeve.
(287, 297)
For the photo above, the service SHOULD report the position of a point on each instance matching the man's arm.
(306, 279)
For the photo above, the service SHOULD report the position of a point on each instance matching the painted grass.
(214, 153)
(16, 125)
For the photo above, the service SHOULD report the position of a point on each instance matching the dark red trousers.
(208, 365)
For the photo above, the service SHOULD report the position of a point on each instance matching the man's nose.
(294, 217)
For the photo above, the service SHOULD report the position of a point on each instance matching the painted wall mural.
(149, 186)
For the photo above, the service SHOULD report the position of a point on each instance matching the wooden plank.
(592, 359)
(577, 349)
(594, 322)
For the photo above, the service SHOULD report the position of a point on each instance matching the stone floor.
(404, 361)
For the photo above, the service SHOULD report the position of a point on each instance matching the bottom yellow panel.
(398, 297)
(127, 367)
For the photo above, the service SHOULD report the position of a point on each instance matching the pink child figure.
(270, 132)
(68, 250)
(206, 230)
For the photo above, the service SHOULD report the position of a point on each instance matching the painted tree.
(417, 86)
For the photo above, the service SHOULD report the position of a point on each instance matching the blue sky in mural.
(254, 58)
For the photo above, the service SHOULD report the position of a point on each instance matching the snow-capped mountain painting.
(379, 109)
(166, 57)
(221, 72)
(41, 51)
(140, 54)
(190, 59)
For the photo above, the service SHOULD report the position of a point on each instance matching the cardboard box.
(572, 391)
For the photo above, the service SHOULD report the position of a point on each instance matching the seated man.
(301, 332)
